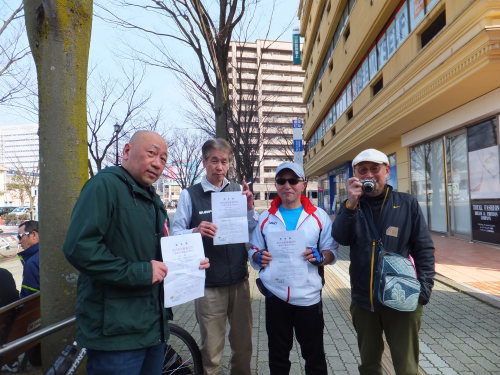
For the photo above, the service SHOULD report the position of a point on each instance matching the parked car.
(21, 211)
(6, 210)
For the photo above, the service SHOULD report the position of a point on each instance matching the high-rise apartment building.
(19, 147)
(264, 80)
(419, 80)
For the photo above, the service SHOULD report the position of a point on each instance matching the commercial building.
(18, 155)
(19, 147)
(265, 83)
(419, 80)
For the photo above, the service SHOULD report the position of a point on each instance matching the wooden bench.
(17, 320)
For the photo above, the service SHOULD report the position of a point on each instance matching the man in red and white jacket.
(296, 307)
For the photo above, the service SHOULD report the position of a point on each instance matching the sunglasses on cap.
(291, 181)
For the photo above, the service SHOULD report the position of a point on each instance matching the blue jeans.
(146, 361)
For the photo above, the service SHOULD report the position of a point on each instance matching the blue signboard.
(297, 145)
(297, 123)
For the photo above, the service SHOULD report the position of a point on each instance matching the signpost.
(298, 149)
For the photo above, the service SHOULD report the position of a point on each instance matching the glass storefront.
(456, 180)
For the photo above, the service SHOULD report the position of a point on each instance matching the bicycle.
(182, 356)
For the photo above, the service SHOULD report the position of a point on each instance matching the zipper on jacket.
(372, 270)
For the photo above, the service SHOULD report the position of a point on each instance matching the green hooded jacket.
(114, 233)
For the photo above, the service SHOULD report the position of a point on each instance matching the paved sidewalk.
(471, 266)
(459, 335)
(460, 329)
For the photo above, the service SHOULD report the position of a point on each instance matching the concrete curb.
(471, 291)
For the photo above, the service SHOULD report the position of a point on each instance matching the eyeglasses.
(19, 236)
(374, 169)
(291, 181)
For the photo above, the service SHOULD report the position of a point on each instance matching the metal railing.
(37, 335)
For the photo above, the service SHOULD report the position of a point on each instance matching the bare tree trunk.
(221, 109)
(59, 36)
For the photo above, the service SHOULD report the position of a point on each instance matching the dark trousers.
(401, 331)
(281, 320)
(147, 361)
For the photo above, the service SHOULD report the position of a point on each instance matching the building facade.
(265, 82)
(419, 80)
(19, 147)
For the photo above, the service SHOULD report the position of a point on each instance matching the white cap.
(294, 167)
(375, 156)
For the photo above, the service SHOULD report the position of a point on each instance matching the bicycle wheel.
(182, 355)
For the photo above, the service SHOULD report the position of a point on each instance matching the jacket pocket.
(128, 311)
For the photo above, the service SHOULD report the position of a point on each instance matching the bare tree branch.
(14, 76)
(116, 101)
(186, 158)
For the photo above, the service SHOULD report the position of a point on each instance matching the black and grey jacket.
(403, 230)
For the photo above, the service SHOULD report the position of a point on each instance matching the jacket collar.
(304, 201)
(29, 252)
(208, 186)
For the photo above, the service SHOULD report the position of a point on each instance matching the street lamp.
(117, 130)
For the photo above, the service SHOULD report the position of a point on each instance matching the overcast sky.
(108, 55)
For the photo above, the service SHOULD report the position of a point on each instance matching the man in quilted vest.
(227, 292)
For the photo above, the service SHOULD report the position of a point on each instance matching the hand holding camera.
(368, 185)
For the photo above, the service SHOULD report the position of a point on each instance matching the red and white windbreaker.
(316, 226)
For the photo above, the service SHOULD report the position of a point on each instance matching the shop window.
(433, 29)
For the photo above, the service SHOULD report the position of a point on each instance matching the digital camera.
(368, 185)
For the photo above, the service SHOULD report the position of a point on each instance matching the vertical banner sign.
(296, 46)
(297, 142)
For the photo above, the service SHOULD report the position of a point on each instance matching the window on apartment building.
(433, 29)
(377, 86)
(333, 131)
(329, 6)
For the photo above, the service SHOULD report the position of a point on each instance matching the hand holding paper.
(186, 263)
(229, 214)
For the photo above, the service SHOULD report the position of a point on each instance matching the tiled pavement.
(459, 335)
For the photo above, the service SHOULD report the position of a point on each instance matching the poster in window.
(429, 4)
(485, 215)
(333, 114)
(343, 100)
(338, 107)
(402, 24)
(372, 62)
(484, 173)
(359, 79)
(382, 50)
(354, 86)
(348, 93)
(391, 39)
(366, 72)
(416, 12)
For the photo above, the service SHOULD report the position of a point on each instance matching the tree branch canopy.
(207, 29)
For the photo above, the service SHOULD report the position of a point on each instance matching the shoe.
(11, 367)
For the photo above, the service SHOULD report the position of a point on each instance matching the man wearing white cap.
(296, 307)
(374, 214)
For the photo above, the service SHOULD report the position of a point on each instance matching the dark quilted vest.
(228, 263)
